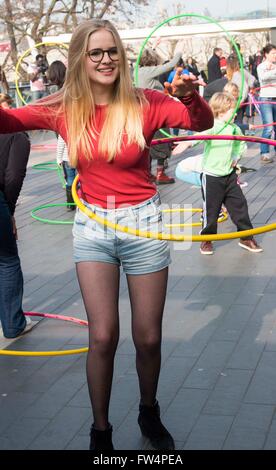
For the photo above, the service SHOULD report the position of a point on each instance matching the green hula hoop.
(47, 166)
(209, 20)
(51, 166)
(51, 221)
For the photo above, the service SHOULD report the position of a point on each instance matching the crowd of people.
(105, 125)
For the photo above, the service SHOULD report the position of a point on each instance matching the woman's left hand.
(182, 84)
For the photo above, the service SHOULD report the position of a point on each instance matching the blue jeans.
(268, 112)
(11, 278)
(69, 173)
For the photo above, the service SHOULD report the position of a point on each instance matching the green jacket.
(219, 155)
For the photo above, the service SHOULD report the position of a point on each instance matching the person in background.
(56, 76)
(192, 67)
(14, 154)
(254, 62)
(219, 179)
(235, 75)
(150, 70)
(38, 78)
(267, 78)
(223, 65)
(213, 65)
(171, 75)
(69, 172)
(5, 101)
(233, 89)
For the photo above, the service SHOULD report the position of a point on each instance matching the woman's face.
(271, 56)
(102, 59)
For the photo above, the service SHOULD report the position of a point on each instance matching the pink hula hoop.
(258, 102)
(57, 317)
(245, 138)
(44, 146)
(260, 126)
(265, 86)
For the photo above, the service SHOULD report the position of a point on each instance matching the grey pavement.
(217, 386)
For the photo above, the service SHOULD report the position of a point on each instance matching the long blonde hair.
(76, 100)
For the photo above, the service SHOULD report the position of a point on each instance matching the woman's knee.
(104, 343)
(148, 344)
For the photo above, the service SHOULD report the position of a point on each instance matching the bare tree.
(25, 19)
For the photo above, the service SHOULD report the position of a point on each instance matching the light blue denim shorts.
(137, 255)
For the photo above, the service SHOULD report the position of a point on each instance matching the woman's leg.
(99, 283)
(147, 296)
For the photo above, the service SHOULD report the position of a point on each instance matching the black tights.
(99, 283)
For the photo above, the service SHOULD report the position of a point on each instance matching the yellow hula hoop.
(61, 44)
(6, 352)
(164, 236)
(222, 218)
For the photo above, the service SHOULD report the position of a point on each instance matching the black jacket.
(14, 155)
(214, 69)
(214, 87)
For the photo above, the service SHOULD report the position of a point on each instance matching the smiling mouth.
(106, 70)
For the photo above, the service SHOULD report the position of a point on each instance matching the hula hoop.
(51, 221)
(264, 86)
(260, 126)
(209, 20)
(47, 166)
(246, 138)
(51, 166)
(222, 218)
(162, 236)
(70, 222)
(44, 146)
(61, 44)
(258, 102)
(9, 352)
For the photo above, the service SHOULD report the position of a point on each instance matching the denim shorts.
(137, 255)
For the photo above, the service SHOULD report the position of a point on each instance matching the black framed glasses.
(97, 55)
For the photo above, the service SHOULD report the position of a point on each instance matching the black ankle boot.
(101, 440)
(152, 427)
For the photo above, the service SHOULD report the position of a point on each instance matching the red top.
(125, 180)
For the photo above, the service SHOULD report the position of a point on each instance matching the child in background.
(218, 179)
(69, 172)
(233, 89)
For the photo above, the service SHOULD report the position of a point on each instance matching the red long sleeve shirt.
(125, 180)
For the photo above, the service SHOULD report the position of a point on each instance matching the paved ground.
(218, 381)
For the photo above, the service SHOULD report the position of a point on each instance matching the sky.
(220, 7)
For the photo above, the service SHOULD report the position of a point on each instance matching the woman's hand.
(182, 84)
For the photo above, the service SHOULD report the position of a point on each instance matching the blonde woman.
(108, 126)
